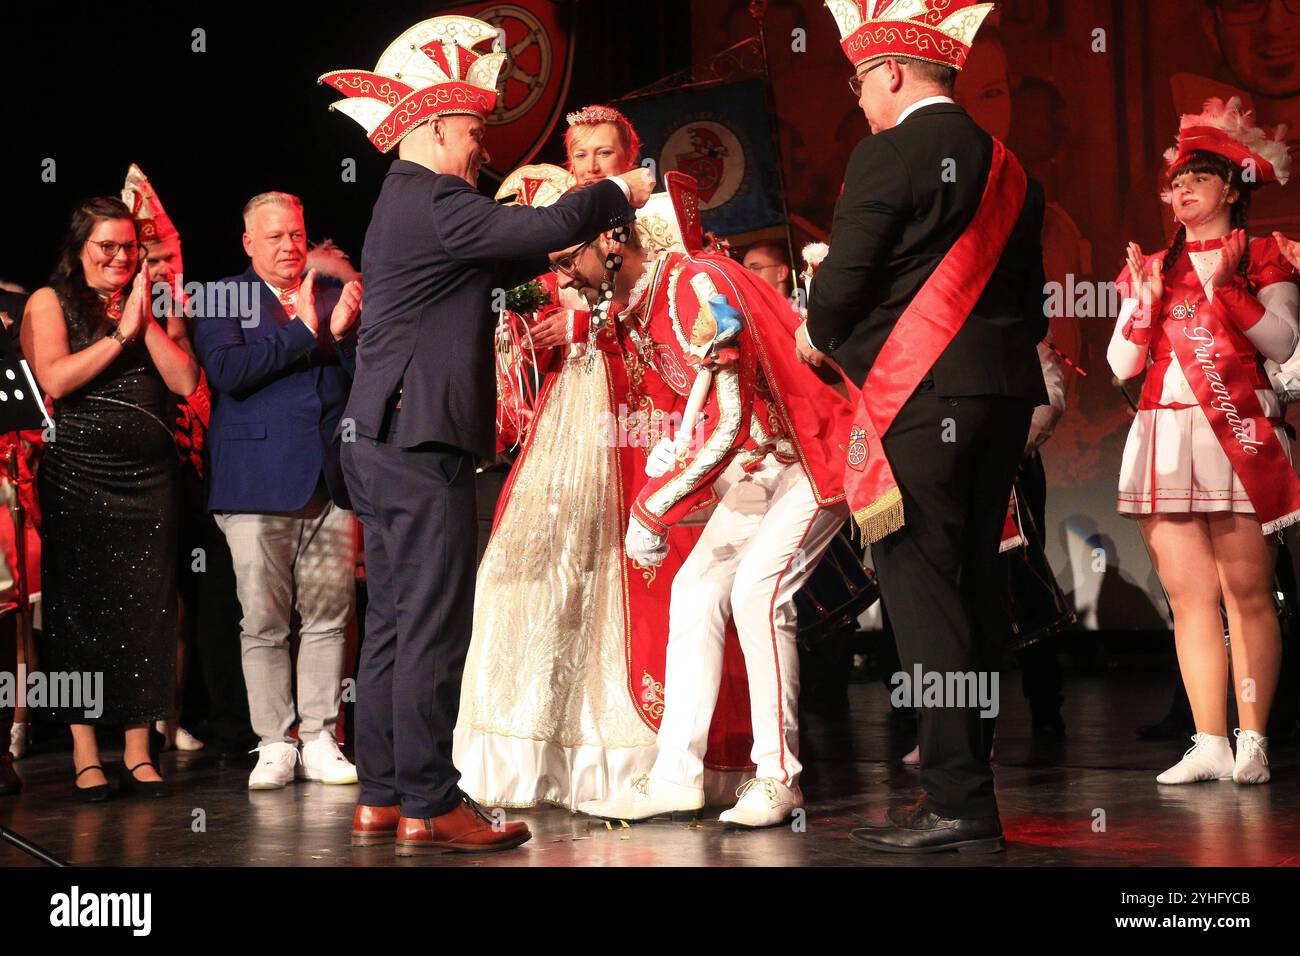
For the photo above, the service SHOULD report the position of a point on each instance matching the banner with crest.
(721, 135)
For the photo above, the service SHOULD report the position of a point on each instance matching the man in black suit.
(438, 258)
(911, 190)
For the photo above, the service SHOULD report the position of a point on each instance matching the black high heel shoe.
(96, 794)
(143, 788)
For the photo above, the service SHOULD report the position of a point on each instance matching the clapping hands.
(135, 312)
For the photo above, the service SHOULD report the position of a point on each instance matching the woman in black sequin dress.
(109, 488)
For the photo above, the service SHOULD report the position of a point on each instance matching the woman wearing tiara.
(1207, 469)
(563, 685)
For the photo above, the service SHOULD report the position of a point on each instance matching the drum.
(1037, 606)
(839, 589)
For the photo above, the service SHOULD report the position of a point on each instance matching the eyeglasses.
(111, 249)
(1250, 11)
(855, 82)
(564, 265)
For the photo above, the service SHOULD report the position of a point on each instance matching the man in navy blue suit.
(438, 258)
(279, 382)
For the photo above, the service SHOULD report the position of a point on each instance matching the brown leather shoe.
(465, 828)
(374, 826)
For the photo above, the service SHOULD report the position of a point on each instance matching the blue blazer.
(278, 391)
(437, 260)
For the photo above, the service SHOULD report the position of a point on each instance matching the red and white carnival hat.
(151, 220)
(537, 185)
(431, 70)
(940, 31)
(670, 220)
(1225, 129)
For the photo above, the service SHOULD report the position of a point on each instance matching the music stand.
(22, 407)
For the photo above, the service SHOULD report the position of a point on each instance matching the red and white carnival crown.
(940, 31)
(431, 70)
(151, 220)
(670, 220)
(536, 185)
(1225, 129)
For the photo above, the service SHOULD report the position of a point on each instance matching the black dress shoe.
(923, 831)
(10, 782)
(99, 793)
(143, 788)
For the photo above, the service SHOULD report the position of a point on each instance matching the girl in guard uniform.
(1206, 469)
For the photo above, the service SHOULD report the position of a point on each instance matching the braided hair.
(1203, 161)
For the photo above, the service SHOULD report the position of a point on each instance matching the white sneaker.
(913, 758)
(274, 769)
(324, 763)
(1252, 757)
(20, 740)
(186, 741)
(648, 797)
(764, 802)
(1209, 758)
(176, 737)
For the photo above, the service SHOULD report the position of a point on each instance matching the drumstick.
(695, 404)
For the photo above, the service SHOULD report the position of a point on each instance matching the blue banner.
(721, 136)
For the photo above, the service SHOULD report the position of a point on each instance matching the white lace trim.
(642, 285)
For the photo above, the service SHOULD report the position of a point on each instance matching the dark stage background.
(98, 86)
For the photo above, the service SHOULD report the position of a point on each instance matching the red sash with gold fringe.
(919, 337)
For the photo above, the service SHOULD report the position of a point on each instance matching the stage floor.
(1052, 803)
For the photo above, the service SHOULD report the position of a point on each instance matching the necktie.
(287, 299)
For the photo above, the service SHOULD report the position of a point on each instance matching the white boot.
(323, 762)
(274, 770)
(1209, 758)
(647, 797)
(1252, 757)
(764, 802)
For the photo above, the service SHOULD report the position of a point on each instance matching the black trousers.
(954, 461)
(418, 510)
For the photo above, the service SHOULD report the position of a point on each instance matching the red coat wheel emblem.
(671, 369)
(857, 453)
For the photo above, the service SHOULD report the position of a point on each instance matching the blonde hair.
(273, 198)
(584, 121)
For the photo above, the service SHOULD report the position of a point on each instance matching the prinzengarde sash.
(1226, 394)
(922, 332)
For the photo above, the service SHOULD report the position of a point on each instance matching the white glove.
(661, 459)
(644, 546)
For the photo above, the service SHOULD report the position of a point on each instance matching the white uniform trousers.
(758, 548)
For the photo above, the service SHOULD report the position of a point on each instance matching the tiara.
(594, 115)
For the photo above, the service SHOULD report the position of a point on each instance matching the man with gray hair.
(279, 381)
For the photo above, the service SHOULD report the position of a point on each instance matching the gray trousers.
(301, 559)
